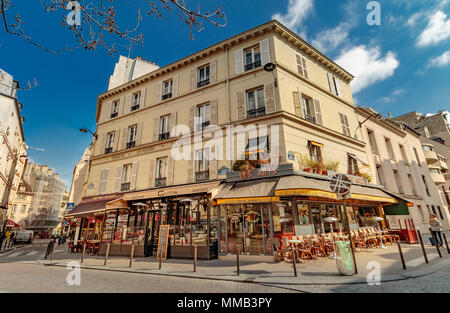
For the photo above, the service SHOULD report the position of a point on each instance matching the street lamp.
(86, 130)
(270, 67)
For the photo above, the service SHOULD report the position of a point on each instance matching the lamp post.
(86, 130)
(270, 67)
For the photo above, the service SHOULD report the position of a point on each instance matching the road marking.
(14, 254)
(421, 260)
(32, 253)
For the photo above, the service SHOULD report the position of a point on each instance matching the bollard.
(108, 247)
(436, 243)
(195, 258)
(401, 255)
(237, 258)
(294, 261)
(131, 255)
(82, 252)
(423, 248)
(446, 242)
(53, 253)
(160, 260)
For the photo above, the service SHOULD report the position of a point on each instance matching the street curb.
(257, 280)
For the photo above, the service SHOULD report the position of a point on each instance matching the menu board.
(163, 242)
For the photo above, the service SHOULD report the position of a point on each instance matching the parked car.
(26, 236)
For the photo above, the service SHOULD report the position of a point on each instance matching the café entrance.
(153, 222)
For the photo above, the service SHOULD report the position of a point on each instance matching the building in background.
(21, 204)
(399, 163)
(13, 151)
(79, 178)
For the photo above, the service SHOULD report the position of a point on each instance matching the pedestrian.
(436, 227)
(2, 238)
(50, 247)
(13, 238)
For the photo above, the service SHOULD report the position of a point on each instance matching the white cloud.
(441, 60)
(297, 11)
(330, 39)
(367, 65)
(437, 30)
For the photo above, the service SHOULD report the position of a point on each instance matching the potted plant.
(307, 164)
(332, 166)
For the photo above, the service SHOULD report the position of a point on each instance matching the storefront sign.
(223, 170)
(281, 170)
(291, 156)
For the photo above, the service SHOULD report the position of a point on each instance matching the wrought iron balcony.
(164, 136)
(203, 83)
(167, 96)
(256, 113)
(131, 144)
(115, 114)
(125, 187)
(251, 66)
(160, 182)
(108, 150)
(134, 107)
(202, 176)
(202, 126)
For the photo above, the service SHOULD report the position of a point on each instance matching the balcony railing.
(251, 66)
(160, 182)
(134, 107)
(131, 144)
(202, 126)
(256, 113)
(203, 83)
(125, 187)
(201, 176)
(167, 96)
(113, 115)
(310, 118)
(164, 136)
(108, 150)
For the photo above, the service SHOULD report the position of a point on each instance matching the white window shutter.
(108, 110)
(194, 78)
(118, 179)
(239, 61)
(330, 81)
(134, 170)
(265, 51)
(116, 140)
(104, 180)
(139, 134)
(175, 87)
(156, 129)
(297, 104)
(318, 112)
(305, 69)
(339, 88)
(173, 121)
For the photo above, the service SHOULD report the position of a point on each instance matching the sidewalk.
(262, 270)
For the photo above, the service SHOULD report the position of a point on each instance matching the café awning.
(117, 204)
(255, 191)
(87, 208)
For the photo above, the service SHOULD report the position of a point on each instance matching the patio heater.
(379, 219)
(187, 202)
(331, 220)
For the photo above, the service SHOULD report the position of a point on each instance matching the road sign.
(70, 206)
(340, 184)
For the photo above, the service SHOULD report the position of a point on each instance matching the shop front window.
(303, 214)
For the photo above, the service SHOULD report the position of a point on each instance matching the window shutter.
(305, 70)
(139, 134)
(118, 178)
(174, 87)
(143, 97)
(104, 180)
(347, 127)
(339, 89)
(239, 61)
(214, 112)
(151, 173)
(213, 72)
(192, 117)
(160, 92)
(121, 105)
(212, 167)
(108, 108)
(297, 104)
(170, 171)
(318, 111)
(330, 81)
(123, 141)
(299, 64)
(265, 51)
(156, 129)
(194, 79)
(116, 140)
(269, 94)
(173, 121)
(191, 170)
(103, 143)
(240, 100)
(344, 123)
(134, 169)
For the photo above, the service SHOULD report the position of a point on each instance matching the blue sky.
(400, 66)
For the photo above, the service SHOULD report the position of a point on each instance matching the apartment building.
(13, 151)
(301, 107)
(399, 163)
(21, 204)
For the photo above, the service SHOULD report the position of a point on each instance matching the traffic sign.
(70, 206)
(340, 184)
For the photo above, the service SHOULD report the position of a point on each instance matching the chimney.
(390, 115)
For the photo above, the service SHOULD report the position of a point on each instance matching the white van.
(24, 236)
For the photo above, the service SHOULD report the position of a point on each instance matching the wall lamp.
(85, 130)
(270, 67)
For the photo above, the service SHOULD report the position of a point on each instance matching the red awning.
(11, 223)
(89, 208)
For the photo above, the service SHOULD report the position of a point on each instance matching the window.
(202, 158)
(252, 58)
(301, 66)
(417, 157)
(335, 85)
(203, 115)
(389, 148)
(397, 180)
(164, 127)
(352, 165)
(255, 103)
(167, 89)
(440, 212)
(203, 76)
(403, 152)
(413, 185)
(161, 176)
(308, 109)
(24, 209)
(422, 213)
(126, 177)
(258, 149)
(373, 143)
(427, 148)
(315, 151)
(344, 124)
(426, 185)
(136, 101)
(132, 131)
(380, 175)
(115, 108)
(109, 142)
